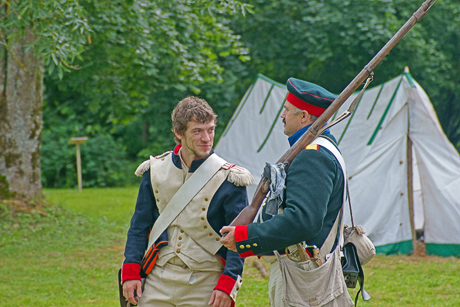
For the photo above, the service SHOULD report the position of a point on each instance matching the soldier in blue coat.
(313, 195)
(187, 265)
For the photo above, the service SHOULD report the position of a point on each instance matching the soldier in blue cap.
(311, 201)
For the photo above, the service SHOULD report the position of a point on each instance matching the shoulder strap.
(329, 242)
(185, 194)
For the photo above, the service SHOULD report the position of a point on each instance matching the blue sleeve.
(145, 215)
(225, 206)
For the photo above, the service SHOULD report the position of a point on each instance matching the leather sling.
(184, 195)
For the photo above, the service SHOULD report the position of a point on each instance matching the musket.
(247, 215)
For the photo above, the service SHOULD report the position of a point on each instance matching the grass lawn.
(69, 254)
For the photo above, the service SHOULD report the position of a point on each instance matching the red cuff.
(229, 286)
(241, 233)
(131, 271)
(225, 284)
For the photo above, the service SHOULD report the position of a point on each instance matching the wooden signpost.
(77, 141)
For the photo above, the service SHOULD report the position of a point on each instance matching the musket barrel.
(247, 215)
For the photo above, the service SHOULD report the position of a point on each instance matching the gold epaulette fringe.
(141, 169)
(240, 176)
(145, 166)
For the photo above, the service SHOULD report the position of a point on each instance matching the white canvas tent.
(393, 124)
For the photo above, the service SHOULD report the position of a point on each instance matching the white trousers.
(177, 286)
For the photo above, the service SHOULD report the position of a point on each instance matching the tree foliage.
(60, 29)
(144, 56)
(140, 47)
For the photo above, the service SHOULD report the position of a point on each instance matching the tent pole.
(410, 192)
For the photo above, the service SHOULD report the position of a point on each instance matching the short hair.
(312, 117)
(297, 110)
(189, 109)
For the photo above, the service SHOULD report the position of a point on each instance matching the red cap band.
(299, 103)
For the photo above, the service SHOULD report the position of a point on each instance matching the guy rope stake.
(247, 215)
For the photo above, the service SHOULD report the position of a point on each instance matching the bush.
(103, 161)
(57, 159)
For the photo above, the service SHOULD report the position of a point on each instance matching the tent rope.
(349, 204)
(351, 108)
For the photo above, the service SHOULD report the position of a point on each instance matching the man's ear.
(305, 116)
(178, 135)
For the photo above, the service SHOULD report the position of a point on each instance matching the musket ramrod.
(247, 215)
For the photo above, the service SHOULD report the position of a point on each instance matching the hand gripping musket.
(247, 215)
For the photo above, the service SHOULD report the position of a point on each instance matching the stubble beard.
(200, 156)
(197, 154)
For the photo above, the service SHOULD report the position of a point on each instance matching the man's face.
(292, 122)
(198, 139)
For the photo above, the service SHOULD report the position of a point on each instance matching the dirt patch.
(420, 249)
(15, 206)
(263, 268)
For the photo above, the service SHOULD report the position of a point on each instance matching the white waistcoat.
(190, 236)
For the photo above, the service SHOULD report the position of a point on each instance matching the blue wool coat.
(312, 199)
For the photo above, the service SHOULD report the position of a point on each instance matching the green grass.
(64, 259)
(70, 258)
(114, 204)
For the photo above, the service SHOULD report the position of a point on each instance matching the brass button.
(217, 239)
(205, 226)
(156, 191)
(178, 251)
(241, 246)
(180, 238)
(248, 246)
(202, 218)
(255, 244)
(178, 244)
(162, 159)
(182, 230)
(158, 200)
(204, 209)
(206, 199)
(210, 234)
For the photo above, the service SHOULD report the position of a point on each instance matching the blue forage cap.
(308, 96)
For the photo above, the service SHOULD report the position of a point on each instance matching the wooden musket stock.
(247, 215)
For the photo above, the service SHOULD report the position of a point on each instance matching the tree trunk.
(21, 80)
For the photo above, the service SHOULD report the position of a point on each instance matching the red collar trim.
(176, 149)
